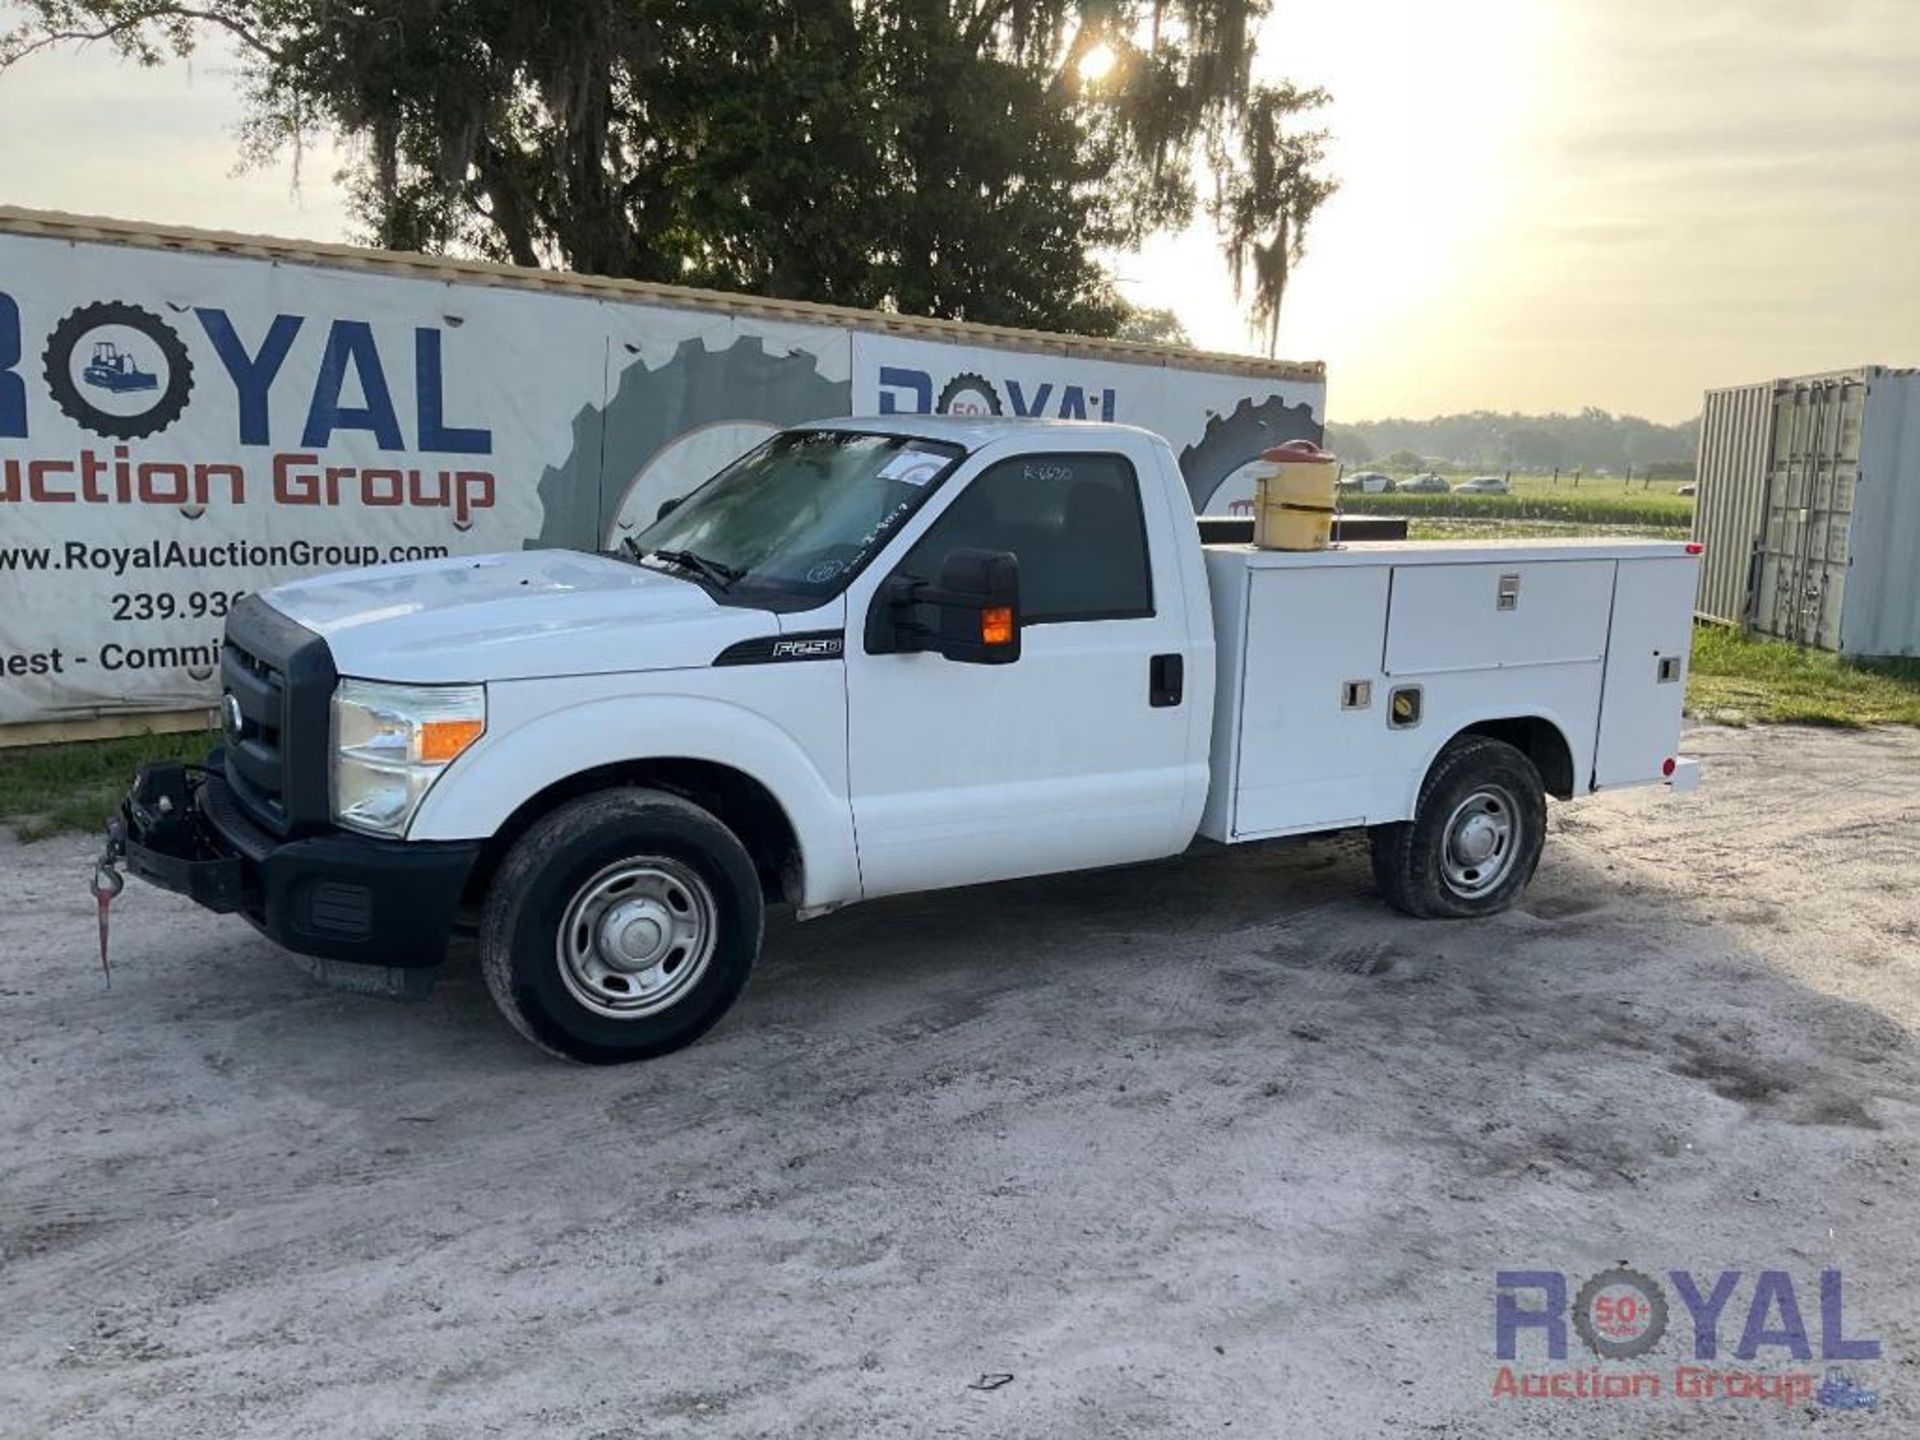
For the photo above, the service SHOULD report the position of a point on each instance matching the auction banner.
(1216, 421)
(178, 429)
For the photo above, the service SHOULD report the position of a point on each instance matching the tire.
(654, 407)
(968, 383)
(1230, 441)
(1478, 791)
(56, 359)
(564, 973)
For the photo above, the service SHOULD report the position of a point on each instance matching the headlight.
(390, 743)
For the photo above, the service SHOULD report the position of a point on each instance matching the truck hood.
(515, 616)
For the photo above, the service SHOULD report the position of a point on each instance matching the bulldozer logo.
(118, 370)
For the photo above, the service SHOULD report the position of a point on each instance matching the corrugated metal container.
(1735, 431)
(1810, 510)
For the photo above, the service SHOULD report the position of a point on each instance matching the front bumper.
(336, 895)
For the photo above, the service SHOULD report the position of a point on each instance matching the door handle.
(1166, 680)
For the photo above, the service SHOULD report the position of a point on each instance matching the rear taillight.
(1667, 767)
(1694, 547)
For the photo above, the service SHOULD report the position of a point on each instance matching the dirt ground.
(1214, 1146)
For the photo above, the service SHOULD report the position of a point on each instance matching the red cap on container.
(1299, 452)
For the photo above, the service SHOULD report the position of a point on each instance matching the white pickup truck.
(877, 656)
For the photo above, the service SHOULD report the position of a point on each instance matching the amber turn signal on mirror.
(996, 625)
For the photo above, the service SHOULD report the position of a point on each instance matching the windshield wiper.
(719, 574)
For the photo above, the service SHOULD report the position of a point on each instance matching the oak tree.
(963, 158)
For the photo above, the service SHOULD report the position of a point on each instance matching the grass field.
(45, 789)
(1474, 527)
(1741, 681)
(1593, 503)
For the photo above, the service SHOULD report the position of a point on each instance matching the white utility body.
(1587, 637)
(885, 655)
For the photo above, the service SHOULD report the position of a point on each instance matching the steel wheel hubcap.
(1479, 849)
(637, 937)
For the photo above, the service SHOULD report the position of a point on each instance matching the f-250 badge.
(823, 648)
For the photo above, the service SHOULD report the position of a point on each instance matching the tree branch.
(14, 52)
(985, 22)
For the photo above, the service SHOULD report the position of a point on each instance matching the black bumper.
(335, 895)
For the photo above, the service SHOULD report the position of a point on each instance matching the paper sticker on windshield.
(912, 467)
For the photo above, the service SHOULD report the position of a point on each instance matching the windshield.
(789, 524)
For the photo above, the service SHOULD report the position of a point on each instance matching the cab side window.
(1076, 525)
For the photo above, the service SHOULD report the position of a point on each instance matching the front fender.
(529, 747)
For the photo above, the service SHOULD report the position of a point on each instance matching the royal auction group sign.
(178, 428)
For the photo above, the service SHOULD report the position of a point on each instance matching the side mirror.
(976, 609)
(667, 507)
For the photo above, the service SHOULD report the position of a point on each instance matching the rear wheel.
(621, 926)
(1475, 836)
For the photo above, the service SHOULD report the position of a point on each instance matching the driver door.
(1064, 759)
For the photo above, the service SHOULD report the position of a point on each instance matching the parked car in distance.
(1366, 482)
(1424, 484)
(1688, 490)
(1484, 485)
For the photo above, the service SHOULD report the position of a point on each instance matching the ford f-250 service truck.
(879, 656)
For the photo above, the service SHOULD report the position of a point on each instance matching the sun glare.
(1097, 63)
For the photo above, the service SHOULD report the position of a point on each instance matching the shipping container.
(187, 416)
(1810, 510)
(1735, 429)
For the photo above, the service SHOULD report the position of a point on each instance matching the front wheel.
(1475, 836)
(621, 926)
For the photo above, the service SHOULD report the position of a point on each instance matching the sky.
(1545, 204)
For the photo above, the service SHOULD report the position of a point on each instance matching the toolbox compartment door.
(1308, 746)
(1497, 615)
(1646, 675)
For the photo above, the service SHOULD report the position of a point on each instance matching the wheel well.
(738, 800)
(1541, 742)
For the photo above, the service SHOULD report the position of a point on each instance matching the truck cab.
(876, 656)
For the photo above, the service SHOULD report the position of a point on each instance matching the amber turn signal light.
(441, 740)
(996, 625)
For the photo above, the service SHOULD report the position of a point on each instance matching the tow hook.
(107, 883)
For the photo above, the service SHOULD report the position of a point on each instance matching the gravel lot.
(1199, 1146)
